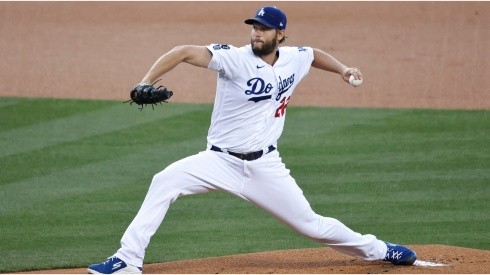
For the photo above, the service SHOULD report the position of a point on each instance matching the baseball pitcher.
(255, 84)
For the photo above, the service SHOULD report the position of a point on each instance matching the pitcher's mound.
(432, 259)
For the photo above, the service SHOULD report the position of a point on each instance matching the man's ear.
(281, 34)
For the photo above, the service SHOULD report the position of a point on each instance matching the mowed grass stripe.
(139, 166)
(21, 112)
(112, 117)
(108, 144)
(6, 102)
(65, 167)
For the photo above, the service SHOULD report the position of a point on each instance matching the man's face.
(263, 39)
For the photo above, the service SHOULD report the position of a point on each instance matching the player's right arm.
(198, 56)
(327, 62)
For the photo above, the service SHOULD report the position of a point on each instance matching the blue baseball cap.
(271, 17)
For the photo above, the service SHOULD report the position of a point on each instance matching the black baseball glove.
(144, 94)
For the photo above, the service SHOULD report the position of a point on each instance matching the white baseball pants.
(265, 182)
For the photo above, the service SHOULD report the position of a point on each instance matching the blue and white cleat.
(399, 255)
(114, 265)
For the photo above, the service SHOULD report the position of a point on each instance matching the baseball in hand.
(354, 82)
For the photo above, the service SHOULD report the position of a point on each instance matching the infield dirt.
(322, 260)
(412, 55)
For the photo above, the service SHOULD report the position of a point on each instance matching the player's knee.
(319, 229)
(164, 178)
(313, 233)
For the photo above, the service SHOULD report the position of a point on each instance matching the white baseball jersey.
(252, 96)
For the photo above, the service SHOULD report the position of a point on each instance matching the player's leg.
(196, 174)
(272, 188)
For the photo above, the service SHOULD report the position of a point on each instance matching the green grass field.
(74, 173)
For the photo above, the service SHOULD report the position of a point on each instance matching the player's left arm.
(198, 56)
(326, 62)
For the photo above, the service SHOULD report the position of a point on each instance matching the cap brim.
(259, 20)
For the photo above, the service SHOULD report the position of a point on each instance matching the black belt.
(245, 156)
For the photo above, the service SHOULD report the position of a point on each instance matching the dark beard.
(267, 48)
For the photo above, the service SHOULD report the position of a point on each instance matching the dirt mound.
(450, 260)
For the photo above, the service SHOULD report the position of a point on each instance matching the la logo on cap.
(261, 12)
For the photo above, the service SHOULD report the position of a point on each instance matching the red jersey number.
(281, 111)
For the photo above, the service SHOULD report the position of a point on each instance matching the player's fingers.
(356, 73)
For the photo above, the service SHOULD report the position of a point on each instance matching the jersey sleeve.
(225, 59)
(305, 58)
